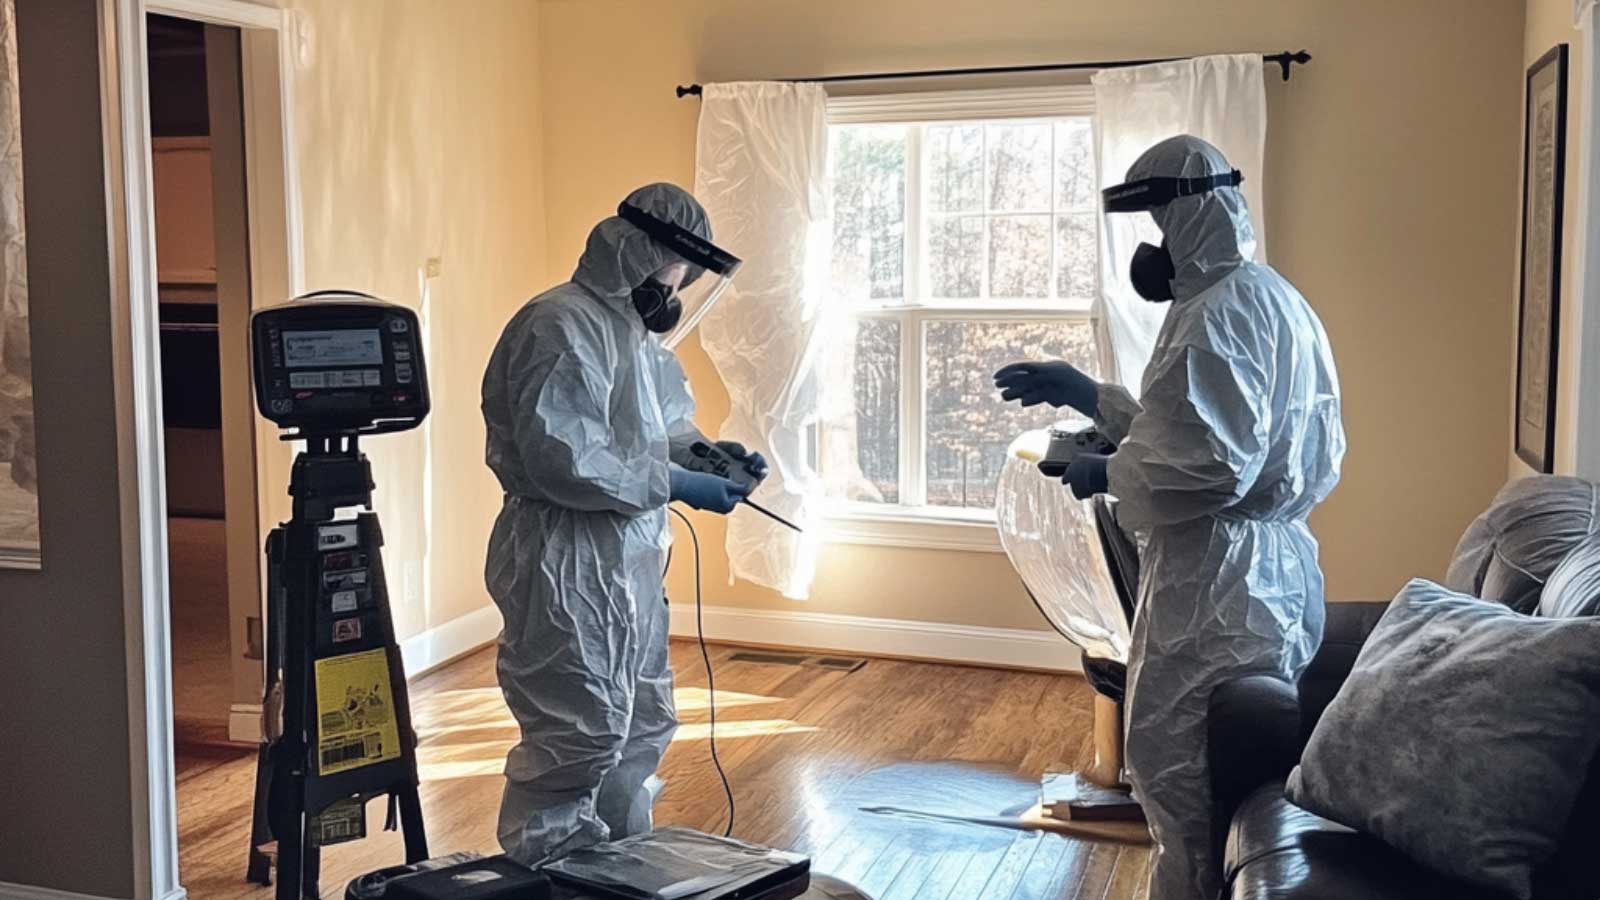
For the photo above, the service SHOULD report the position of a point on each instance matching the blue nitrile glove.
(1056, 383)
(703, 490)
(1087, 475)
(753, 462)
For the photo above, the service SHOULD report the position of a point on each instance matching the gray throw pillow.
(1461, 737)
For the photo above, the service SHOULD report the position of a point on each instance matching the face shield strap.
(1153, 193)
(696, 250)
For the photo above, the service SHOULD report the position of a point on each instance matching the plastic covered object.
(670, 863)
(1052, 542)
(1532, 525)
(1574, 587)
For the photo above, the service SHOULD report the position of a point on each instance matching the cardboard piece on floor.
(1115, 832)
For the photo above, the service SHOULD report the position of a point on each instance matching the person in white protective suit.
(1236, 437)
(586, 414)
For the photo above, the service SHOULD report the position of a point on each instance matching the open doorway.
(203, 276)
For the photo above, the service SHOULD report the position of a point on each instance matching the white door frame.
(1586, 267)
(276, 259)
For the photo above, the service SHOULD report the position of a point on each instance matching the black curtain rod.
(1284, 60)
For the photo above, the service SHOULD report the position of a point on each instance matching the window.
(965, 237)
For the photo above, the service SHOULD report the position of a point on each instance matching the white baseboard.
(422, 653)
(26, 892)
(454, 639)
(933, 641)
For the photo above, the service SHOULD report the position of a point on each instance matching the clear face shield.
(717, 268)
(1152, 270)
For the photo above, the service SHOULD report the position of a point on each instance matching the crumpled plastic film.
(1051, 540)
(1531, 526)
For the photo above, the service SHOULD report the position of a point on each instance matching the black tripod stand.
(337, 718)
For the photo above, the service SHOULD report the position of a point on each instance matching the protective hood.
(1209, 234)
(619, 256)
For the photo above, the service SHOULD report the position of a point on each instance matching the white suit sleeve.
(677, 402)
(1197, 445)
(1115, 412)
(563, 428)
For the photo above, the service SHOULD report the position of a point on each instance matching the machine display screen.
(346, 347)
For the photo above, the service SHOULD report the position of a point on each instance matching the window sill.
(918, 530)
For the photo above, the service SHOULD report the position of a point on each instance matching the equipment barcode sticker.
(355, 712)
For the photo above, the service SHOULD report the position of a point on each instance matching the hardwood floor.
(806, 748)
(202, 675)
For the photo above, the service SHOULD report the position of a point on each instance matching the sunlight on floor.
(480, 708)
(698, 699)
(453, 727)
(699, 731)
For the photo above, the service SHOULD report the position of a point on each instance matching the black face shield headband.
(1153, 193)
(694, 249)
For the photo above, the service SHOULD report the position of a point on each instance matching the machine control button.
(304, 380)
(399, 325)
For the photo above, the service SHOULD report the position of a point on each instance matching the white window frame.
(920, 526)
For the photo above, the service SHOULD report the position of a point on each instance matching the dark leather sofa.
(1259, 725)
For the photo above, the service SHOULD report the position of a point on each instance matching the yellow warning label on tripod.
(355, 712)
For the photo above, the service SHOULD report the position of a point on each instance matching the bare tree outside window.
(993, 260)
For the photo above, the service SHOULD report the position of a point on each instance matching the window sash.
(913, 405)
(917, 309)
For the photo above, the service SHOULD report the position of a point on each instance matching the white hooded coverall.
(583, 408)
(1236, 436)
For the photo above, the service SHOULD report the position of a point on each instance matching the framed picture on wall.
(19, 482)
(1539, 308)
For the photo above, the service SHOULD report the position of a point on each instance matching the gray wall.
(65, 795)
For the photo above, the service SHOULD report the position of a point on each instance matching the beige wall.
(418, 137)
(1367, 150)
(1549, 22)
(65, 779)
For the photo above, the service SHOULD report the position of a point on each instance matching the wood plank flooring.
(202, 676)
(806, 748)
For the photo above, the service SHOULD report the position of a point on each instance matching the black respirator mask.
(1152, 270)
(658, 305)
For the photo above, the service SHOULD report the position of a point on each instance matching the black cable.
(711, 679)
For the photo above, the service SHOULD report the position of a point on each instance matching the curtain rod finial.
(686, 90)
(1288, 58)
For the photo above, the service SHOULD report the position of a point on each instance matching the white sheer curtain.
(1221, 99)
(761, 171)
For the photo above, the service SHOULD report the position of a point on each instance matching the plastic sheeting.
(669, 864)
(1532, 525)
(761, 172)
(1574, 587)
(1220, 99)
(1052, 542)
